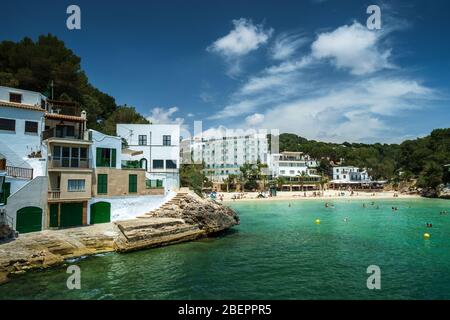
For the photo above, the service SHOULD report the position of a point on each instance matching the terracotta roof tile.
(21, 106)
(63, 117)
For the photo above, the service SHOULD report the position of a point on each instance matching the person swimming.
(346, 219)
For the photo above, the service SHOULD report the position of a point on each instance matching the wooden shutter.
(113, 158)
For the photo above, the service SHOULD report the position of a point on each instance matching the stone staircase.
(160, 226)
(174, 202)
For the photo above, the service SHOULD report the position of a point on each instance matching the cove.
(277, 252)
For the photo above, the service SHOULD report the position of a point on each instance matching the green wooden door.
(71, 214)
(132, 183)
(53, 215)
(100, 212)
(29, 219)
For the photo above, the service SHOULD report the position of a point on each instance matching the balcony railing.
(52, 133)
(54, 194)
(68, 162)
(18, 172)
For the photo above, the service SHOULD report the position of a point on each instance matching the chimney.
(83, 114)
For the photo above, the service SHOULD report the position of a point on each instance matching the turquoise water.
(278, 252)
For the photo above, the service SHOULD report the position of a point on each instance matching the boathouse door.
(29, 219)
(71, 214)
(100, 212)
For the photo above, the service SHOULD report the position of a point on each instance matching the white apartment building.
(350, 174)
(292, 164)
(157, 149)
(225, 155)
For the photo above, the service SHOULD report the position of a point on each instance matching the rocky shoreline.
(186, 217)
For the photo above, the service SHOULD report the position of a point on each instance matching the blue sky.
(308, 67)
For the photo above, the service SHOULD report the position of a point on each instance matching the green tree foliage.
(34, 65)
(123, 114)
(192, 176)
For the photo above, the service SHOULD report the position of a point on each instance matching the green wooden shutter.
(53, 215)
(102, 183)
(113, 158)
(132, 183)
(98, 160)
(6, 192)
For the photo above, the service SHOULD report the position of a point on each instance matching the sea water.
(277, 252)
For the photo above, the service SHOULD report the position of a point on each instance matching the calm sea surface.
(278, 252)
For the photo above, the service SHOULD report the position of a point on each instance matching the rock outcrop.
(186, 217)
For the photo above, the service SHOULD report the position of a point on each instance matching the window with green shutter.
(102, 184)
(132, 183)
(113, 158)
(105, 157)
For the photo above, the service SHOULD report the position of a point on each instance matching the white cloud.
(349, 111)
(234, 110)
(286, 45)
(352, 47)
(254, 119)
(244, 38)
(164, 116)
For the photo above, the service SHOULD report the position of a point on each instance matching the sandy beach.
(309, 195)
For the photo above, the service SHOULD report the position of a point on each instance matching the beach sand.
(327, 195)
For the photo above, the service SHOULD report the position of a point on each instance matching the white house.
(225, 155)
(350, 174)
(22, 122)
(156, 147)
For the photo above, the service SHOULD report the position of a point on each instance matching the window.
(132, 183)
(166, 140)
(102, 183)
(105, 157)
(31, 127)
(158, 164)
(70, 157)
(7, 124)
(77, 185)
(15, 97)
(172, 164)
(142, 140)
(337, 177)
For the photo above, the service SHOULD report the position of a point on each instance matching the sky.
(309, 67)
